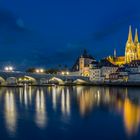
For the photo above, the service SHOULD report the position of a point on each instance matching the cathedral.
(132, 51)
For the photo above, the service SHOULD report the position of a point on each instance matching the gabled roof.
(86, 55)
(106, 63)
(133, 64)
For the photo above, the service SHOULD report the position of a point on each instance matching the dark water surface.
(70, 113)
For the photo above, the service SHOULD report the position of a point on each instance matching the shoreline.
(120, 84)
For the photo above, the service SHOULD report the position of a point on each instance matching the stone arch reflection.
(40, 106)
(10, 112)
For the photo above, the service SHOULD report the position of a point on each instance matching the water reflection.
(131, 114)
(40, 106)
(65, 101)
(115, 100)
(10, 112)
(54, 98)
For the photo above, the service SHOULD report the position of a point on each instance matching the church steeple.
(115, 53)
(130, 35)
(136, 40)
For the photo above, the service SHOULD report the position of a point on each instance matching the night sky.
(46, 33)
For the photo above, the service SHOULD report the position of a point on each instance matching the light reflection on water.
(10, 112)
(65, 102)
(41, 103)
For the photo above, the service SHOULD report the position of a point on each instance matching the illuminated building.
(131, 47)
(132, 51)
(83, 64)
(120, 60)
(102, 70)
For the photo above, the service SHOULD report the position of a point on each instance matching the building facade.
(132, 51)
(132, 48)
(83, 64)
(95, 74)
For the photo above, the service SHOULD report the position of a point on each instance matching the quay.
(19, 79)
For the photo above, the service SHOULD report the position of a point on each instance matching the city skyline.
(70, 69)
(52, 32)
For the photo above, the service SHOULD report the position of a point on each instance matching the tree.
(30, 70)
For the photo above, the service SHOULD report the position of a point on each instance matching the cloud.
(10, 21)
(18, 43)
(119, 21)
(66, 55)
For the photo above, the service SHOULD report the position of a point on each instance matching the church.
(85, 63)
(132, 51)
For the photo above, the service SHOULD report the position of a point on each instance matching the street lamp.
(65, 73)
(39, 70)
(8, 68)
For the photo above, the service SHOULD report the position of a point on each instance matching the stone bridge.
(20, 78)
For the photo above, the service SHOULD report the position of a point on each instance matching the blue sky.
(46, 33)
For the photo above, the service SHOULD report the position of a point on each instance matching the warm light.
(68, 73)
(63, 73)
(39, 70)
(8, 68)
(131, 122)
(10, 112)
(40, 106)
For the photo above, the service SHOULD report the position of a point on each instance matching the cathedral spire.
(130, 35)
(115, 53)
(136, 40)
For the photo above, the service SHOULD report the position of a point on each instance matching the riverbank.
(133, 84)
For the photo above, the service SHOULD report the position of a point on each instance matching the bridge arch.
(44, 80)
(56, 80)
(11, 81)
(26, 80)
(2, 81)
(79, 81)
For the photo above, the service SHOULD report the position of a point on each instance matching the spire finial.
(115, 53)
(136, 40)
(130, 35)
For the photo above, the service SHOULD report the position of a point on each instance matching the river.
(70, 113)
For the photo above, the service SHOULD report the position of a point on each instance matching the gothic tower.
(130, 49)
(137, 44)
